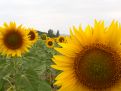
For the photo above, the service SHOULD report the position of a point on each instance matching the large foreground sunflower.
(13, 40)
(33, 35)
(91, 60)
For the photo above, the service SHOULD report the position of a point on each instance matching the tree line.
(50, 33)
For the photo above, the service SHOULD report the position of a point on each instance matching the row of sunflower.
(25, 60)
(90, 59)
(16, 40)
(52, 42)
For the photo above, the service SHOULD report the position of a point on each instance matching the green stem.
(8, 82)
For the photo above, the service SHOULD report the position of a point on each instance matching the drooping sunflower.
(61, 39)
(50, 43)
(14, 40)
(33, 35)
(91, 60)
(43, 36)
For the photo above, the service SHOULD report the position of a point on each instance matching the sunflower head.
(14, 40)
(50, 43)
(91, 60)
(61, 39)
(33, 35)
(43, 36)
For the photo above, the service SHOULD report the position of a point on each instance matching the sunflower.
(61, 39)
(50, 43)
(43, 36)
(13, 40)
(33, 35)
(91, 60)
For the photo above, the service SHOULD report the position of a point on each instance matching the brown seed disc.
(61, 39)
(13, 40)
(97, 67)
(32, 35)
(50, 43)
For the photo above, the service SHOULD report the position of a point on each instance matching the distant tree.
(57, 34)
(39, 32)
(50, 33)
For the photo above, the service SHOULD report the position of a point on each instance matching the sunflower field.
(26, 58)
(87, 60)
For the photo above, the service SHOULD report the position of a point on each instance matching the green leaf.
(44, 86)
(29, 81)
(2, 84)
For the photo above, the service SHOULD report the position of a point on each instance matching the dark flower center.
(50, 43)
(98, 67)
(32, 35)
(61, 39)
(13, 40)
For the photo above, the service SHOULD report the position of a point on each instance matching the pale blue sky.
(59, 14)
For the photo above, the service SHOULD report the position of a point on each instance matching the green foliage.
(57, 34)
(32, 72)
(50, 33)
(39, 32)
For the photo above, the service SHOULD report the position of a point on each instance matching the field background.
(31, 72)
